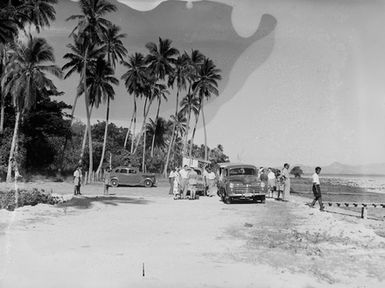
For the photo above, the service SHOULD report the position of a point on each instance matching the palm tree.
(41, 12)
(115, 50)
(99, 83)
(91, 27)
(4, 59)
(134, 80)
(161, 58)
(190, 104)
(26, 74)
(179, 75)
(160, 94)
(205, 86)
(76, 62)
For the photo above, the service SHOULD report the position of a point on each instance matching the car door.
(123, 176)
(134, 177)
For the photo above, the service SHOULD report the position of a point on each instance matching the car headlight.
(231, 185)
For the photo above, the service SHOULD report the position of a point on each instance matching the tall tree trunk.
(67, 137)
(131, 121)
(186, 133)
(2, 103)
(12, 158)
(105, 136)
(153, 136)
(193, 134)
(133, 132)
(87, 103)
(84, 142)
(172, 135)
(146, 110)
(204, 129)
(144, 152)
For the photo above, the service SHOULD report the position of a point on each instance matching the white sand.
(202, 243)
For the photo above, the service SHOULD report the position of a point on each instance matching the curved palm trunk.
(2, 113)
(172, 136)
(129, 128)
(84, 141)
(87, 101)
(193, 134)
(205, 132)
(12, 160)
(153, 136)
(144, 153)
(133, 131)
(187, 131)
(146, 110)
(105, 136)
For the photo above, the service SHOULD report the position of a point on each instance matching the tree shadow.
(86, 202)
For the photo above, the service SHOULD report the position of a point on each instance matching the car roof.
(234, 165)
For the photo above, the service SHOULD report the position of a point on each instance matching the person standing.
(271, 182)
(317, 189)
(184, 180)
(212, 185)
(264, 179)
(171, 178)
(286, 177)
(107, 180)
(77, 180)
(176, 184)
(192, 183)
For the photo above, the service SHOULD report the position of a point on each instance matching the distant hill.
(339, 168)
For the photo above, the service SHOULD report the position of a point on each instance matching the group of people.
(78, 180)
(275, 181)
(185, 180)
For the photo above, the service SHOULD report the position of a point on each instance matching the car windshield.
(242, 171)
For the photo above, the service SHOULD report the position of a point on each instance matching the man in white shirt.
(317, 189)
(77, 180)
(271, 182)
(286, 176)
(184, 180)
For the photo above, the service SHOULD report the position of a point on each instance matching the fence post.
(364, 212)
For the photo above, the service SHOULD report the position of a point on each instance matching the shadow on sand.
(85, 202)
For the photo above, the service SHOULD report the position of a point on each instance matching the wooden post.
(364, 212)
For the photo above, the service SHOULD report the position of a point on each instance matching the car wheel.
(147, 183)
(228, 200)
(114, 183)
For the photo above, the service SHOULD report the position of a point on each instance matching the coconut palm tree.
(99, 82)
(41, 12)
(161, 58)
(91, 27)
(115, 50)
(179, 76)
(190, 104)
(160, 95)
(26, 74)
(134, 80)
(205, 86)
(76, 62)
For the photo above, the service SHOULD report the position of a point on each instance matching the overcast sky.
(303, 83)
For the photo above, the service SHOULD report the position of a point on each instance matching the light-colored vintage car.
(239, 181)
(131, 176)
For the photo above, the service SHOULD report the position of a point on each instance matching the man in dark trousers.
(317, 189)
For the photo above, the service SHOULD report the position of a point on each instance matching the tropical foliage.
(32, 122)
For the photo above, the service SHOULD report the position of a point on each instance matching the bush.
(27, 197)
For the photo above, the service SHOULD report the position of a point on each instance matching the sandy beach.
(141, 237)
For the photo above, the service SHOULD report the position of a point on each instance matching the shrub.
(27, 197)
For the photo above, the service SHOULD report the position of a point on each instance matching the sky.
(303, 80)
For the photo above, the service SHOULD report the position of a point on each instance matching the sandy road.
(105, 242)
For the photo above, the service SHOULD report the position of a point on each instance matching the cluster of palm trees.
(95, 50)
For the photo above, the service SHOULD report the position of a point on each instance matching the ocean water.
(371, 183)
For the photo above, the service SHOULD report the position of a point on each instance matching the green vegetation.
(296, 171)
(38, 136)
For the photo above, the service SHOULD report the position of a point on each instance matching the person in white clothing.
(317, 189)
(211, 182)
(286, 177)
(271, 182)
(184, 180)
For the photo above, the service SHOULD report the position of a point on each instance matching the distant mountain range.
(339, 168)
